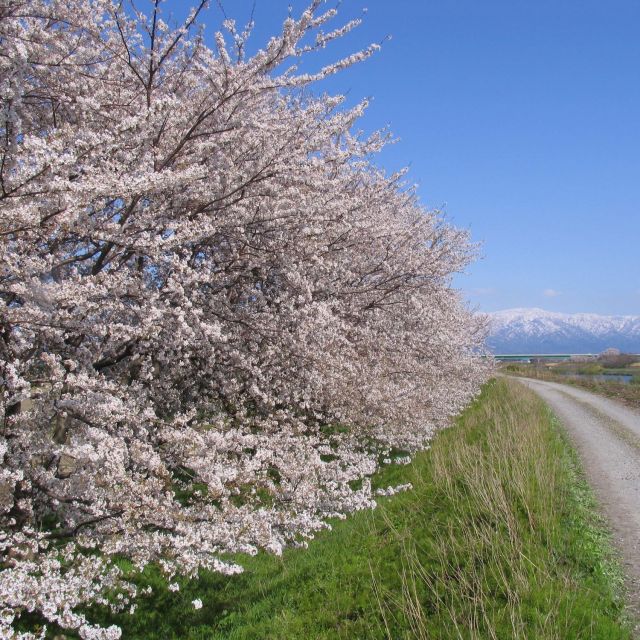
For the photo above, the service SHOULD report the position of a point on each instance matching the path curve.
(607, 437)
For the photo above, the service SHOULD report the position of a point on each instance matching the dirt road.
(607, 436)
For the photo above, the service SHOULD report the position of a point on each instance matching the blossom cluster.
(391, 491)
(216, 314)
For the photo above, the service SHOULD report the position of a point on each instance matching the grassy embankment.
(627, 393)
(498, 539)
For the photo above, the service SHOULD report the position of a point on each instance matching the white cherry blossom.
(217, 316)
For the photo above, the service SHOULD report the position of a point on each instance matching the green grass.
(586, 368)
(498, 539)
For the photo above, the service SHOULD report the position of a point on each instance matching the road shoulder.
(606, 436)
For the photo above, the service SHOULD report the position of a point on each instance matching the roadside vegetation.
(497, 539)
(584, 375)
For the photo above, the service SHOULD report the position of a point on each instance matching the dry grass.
(492, 571)
(629, 394)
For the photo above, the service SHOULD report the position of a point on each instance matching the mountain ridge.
(534, 330)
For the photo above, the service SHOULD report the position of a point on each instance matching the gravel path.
(607, 437)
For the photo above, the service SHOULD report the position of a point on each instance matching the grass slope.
(498, 539)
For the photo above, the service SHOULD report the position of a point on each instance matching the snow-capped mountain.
(539, 331)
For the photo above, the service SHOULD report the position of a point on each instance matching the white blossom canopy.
(217, 317)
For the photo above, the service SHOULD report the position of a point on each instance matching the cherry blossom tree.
(218, 318)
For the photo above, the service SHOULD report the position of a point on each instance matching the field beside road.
(497, 539)
(628, 393)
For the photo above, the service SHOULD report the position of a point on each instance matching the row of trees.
(217, 317)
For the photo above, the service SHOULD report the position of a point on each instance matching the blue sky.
(521, 119)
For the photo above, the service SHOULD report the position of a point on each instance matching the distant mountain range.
(539, 331)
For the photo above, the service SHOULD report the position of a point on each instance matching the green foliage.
(498, 539)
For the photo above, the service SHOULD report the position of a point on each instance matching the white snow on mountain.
(539, 331)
